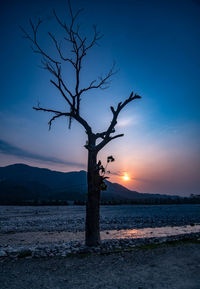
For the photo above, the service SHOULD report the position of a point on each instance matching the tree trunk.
(92, 237)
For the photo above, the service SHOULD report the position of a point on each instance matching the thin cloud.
(121, 173)
(9, 149)
(118, 173)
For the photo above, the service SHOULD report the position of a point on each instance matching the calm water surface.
(150, 232)
(25, 238)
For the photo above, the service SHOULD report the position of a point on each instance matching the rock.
(24, 253)
(3, 253)
(13, 253)
(28, 257)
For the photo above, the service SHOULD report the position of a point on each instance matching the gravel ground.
(72, 218)
(165, 267)
(26, 262)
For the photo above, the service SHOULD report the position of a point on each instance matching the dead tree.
(53, 63)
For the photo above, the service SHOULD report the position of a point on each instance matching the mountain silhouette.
(20, 182)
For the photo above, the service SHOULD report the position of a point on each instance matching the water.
(25, 238)
(32, 225)
(150, 232)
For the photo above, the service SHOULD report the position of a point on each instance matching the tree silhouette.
(80, 45)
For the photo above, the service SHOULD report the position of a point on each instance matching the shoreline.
(63, 249)
(52, 231)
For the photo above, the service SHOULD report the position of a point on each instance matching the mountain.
(53, 179)
(20, 182)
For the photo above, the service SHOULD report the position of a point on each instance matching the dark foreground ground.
(174, 266)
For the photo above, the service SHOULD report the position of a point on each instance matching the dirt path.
(166, 267)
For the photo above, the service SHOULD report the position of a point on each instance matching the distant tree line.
(142, 201)
(34, 203)
(147, 201)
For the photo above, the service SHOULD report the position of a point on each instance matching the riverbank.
(73, 247)
(172, 265)
(59, 231)
(72, 218)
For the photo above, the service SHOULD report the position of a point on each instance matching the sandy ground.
(167, 267)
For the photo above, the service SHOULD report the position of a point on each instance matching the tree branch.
(58, 86)
(80, 46)
(106, 135)
(56, 112)
(116, 136)
(83, 122)
(103, 134)
(59, 50)
(57, 73)
(97, 36)
(102, 81)
(33, 39)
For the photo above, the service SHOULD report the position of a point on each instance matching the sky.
(155, 45)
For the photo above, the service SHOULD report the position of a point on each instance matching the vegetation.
(142, 201)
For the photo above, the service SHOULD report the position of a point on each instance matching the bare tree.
(80, 45)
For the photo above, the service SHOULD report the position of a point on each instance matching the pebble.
(143, 217)
(20, 224)
(3, 253)
(75, 248)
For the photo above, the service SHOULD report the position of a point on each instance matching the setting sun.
(125, 177)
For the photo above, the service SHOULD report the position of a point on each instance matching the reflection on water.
(149, 232)
(25, 238)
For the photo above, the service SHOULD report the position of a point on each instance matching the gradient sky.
(156, 46)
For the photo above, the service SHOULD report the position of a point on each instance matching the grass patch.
(149, 246)
(168, 243)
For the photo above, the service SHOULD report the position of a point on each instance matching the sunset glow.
(126, 177)
(156, 58)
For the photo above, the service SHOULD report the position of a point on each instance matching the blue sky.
(156, 46)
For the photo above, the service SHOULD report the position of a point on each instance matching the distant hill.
(20, 182)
